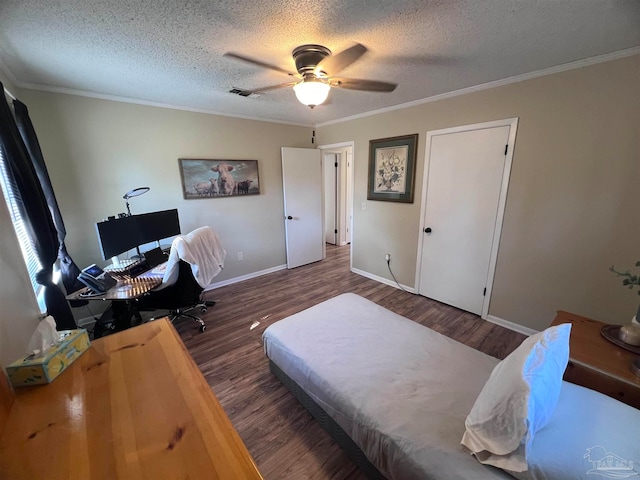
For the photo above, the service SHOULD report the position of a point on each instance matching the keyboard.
(122, 264)
(127, 268)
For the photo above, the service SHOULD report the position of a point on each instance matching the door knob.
(427, 230)
(289, 217)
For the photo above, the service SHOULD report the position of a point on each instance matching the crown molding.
(464, 91)
(117, 98)
(497, 83)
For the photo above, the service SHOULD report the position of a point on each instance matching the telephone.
(96, 279)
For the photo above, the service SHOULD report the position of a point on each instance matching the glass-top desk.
(123, 297)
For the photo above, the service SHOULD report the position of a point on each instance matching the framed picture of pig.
(392, 164)
(218, 178)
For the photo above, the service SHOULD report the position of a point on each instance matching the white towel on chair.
(202, 250)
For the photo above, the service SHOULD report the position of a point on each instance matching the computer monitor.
(117, 235)
(123, 234)
(158, 225)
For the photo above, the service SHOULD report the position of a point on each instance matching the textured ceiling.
(170, 52)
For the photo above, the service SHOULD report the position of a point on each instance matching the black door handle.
(289, 217)
(427, 230)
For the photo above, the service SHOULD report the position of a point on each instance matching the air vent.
(244, 93)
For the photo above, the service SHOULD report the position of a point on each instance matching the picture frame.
(204, 178)
(392, 165)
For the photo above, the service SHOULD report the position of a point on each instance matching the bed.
(395, 395)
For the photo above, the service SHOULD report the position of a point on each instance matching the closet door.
(465, 191)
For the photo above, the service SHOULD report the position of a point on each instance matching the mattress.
(401, 391)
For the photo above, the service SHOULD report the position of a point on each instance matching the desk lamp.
(136, 192)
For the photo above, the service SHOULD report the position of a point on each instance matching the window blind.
(14, 202)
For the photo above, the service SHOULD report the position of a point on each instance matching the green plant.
(629, 280)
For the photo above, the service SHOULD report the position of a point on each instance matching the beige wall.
(19, 311)
(96, 150)
(572, 206)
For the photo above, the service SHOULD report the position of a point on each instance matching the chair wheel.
(203, 328)
(203, 309)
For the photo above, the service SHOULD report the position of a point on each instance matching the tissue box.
(45, 368)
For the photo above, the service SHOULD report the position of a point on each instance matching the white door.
(302, 185)
(330, 161)
(467, 172)
(338, 193)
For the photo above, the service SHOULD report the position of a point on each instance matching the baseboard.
(490, 318)
(516, 327)
(85, 322)
(386, 281)
(88, 320)
(242, 278)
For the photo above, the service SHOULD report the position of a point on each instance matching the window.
(12, 197)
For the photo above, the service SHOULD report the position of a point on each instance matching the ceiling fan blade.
(335, 63)
(242, 58)
(359, 84)
(273, 87)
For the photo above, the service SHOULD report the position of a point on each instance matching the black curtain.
(35, 211)
(69, 270)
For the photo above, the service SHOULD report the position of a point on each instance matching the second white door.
(466, 175)
(302, 186)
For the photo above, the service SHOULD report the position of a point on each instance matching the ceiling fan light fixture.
(311, 92)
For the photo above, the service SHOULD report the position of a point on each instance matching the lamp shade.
(311, 92)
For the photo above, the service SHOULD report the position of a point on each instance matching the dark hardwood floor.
(284, 440)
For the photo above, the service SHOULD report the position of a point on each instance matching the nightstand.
(598, 364)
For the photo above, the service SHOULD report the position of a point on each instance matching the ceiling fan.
(317, 68)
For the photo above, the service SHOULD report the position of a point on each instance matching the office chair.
(194, 260)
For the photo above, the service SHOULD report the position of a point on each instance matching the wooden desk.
(133, 406)
(598, 364)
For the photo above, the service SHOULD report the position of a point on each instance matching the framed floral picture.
(392, 165)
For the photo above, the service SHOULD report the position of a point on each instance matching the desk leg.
(122, 313)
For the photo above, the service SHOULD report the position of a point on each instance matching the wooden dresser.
(134, 405)
(598, 364)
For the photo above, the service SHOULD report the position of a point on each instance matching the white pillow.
(518, 400)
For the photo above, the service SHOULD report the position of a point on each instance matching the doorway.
(331, 190)
(465, 186)
(337, 167)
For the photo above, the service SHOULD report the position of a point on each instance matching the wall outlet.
(240, 256)
(387, 256)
